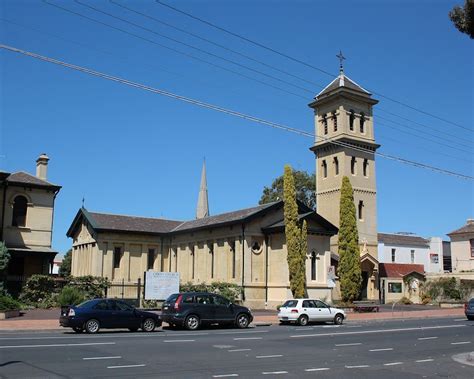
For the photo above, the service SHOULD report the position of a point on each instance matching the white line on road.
(274, 372)
(349, 344)
(224, 375)
(249, 332)
(459, 319)
(460, 343)
(426, 338)
(94, 358)
(317, 369)
(424, 360)
(247, 338)
(127, 366)
(329, 326)
(179, 340)
(268, 356)
(235, 350)
(393, 363)
(59, 345)
(360, 366)
(387, 349)
(378, 331)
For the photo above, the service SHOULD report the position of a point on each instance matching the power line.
(304, 63)
(229, 111)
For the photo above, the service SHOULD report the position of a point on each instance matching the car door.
(103, 313)
(203, 307)
(223, 310)
(323, 313)
(124, 315)
(309, 308)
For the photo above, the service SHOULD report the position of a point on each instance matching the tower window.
(361, 210)
(362, 122)
(20, 206)
(336, 165)
(325, 124)
(353, 165)
(313, 266)
(351, 120)
(334, 118)
(365, 166)
(325, 169)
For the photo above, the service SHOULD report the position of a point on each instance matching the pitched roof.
(342, 81)
(402, 239)
(325, 227)
(399, 270)
(468, 228)
(24, 178)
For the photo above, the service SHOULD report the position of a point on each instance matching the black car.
(193, 309)
(107, 313)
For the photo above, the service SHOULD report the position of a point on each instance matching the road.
(389, 349)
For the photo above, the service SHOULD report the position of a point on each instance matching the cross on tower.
(341, 58)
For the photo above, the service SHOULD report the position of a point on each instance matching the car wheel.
(133, 329)
(243, 321)
(303, 320)
(78, 329)
(92, 326)
(192, 322)
(338, 319)
(148, 325)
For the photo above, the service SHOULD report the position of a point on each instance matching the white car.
(303, 311)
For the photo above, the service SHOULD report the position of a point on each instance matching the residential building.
(26, 222)
(462, 248)
(400, 280)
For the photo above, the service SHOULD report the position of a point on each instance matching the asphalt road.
(390, 349)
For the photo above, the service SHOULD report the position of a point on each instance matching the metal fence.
(130, 292)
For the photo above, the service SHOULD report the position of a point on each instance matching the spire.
(203, 203)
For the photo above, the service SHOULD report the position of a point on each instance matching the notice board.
(160, 285)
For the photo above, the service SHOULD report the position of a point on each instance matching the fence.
(130, 292)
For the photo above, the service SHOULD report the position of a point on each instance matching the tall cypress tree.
(349, 271)
(4, 259)
(296, 244)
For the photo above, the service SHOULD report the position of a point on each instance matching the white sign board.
(160, 285)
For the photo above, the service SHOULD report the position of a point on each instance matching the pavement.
(408, 348)
(48, 319)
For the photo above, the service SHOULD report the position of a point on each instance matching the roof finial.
(83, 201)
(341, 58)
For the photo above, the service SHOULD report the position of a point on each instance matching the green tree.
(305, 186)
(463, 18)
(65, 268)
(4, 259)
(296, 237)
(349, 257)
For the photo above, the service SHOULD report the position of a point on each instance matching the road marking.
(249, 332)
(179, 340)
(459, 319)
(349, 344)
(460, 343)
(330, 326)
(93, 358)
(127, 366)
(224, 375)
(393, 363)
(274, 372)
(387, 349)
(247, 338)
(268, 356)
(235, 350)
(360, 366)
(424, 360)
(426, 338)
(378, 331)
(59, 345)
(317, 369)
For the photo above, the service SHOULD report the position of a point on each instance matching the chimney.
(42, 166)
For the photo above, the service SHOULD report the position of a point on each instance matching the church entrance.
(363, 289)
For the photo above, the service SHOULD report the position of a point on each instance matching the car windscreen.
(290, 303)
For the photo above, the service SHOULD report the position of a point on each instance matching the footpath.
(48, 319)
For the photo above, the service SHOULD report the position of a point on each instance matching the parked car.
(469, 309)
(303, 311)
(93, 315)
(193, 309)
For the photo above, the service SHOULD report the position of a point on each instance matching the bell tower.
(345, 146)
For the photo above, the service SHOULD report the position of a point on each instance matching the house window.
(336, 165)
(472, 247)
(151, 259)
(394, 287)
(353, 165)
(362, 122)
(364, 167)
(313, 266)
(20, 205)
(412, 253)
(361, 210)
(393, 255)
(325, 124)
(117, 257)
(351, 120)
(211, 252)
(232, 250)
(325, 169)
(334, 118)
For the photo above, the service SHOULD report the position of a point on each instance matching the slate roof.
(399, 270)
(468, 228)
(22, 177)
(342, 81)
(402, 239)
(326, 226)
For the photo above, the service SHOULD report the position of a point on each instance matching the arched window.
(365, 166)
(361, 209)
(336, 166)
(232, 250)
(325, 124)
(193, 263)
(325, 169)
(211, 251)
(351, 119)
(334, 118)
(362, 122)
(20, 206)
(353, 165)
(313, 266)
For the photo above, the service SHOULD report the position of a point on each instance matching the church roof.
(324, 226)
(24, 178)
(342, 81)
(402, 239)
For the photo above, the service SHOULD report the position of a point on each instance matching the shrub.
(70, 296)
(7, 303)
(38, 289)
(230, 291)
(154, 304)
(91, 286)
(405, 300)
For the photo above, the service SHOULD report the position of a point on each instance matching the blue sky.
(131, 152)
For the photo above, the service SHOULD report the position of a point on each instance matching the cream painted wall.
(461, 253)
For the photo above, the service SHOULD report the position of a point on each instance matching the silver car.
(303, 311)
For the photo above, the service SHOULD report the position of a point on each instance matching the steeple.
(203, 203)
